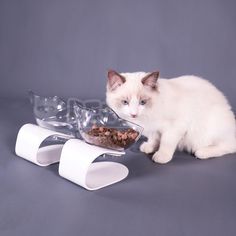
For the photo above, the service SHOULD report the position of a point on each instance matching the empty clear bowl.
(55, 114)
(103, 127)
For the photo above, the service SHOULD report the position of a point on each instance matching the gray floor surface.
(185, 197)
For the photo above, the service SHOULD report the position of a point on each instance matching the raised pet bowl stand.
(76, 158)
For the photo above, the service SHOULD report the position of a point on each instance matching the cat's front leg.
(152, 144)
(168, 143)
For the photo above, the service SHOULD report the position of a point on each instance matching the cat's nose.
(133, 115)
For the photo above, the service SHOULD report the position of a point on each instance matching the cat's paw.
(161, 157)
(146, 147)
(201, 154)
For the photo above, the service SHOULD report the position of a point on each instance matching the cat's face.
(131, 95)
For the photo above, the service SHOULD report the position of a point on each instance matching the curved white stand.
(76, 158)
(28, 141)
(75, 165)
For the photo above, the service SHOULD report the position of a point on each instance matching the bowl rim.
(31, 94)
(118, 117)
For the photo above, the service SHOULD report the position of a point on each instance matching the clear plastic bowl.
(103, 127)
(55, 114)
(99, 125)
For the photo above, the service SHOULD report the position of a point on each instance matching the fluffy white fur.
(187, 113)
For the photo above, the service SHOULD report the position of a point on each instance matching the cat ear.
(151, 80)
(114, 80)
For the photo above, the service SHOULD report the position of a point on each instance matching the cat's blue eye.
(125, 102)
(142, 102)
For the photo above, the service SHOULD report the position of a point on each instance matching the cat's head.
(131, 95)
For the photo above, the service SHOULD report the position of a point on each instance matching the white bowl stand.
(76, 158)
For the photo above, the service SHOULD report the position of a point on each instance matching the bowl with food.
(104, 128)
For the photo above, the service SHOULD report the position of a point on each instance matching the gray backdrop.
(65, 47)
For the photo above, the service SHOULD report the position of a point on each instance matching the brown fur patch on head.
(150, 80)
(114, 80)
(146, 98)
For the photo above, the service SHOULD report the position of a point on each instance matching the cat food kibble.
(111, 137)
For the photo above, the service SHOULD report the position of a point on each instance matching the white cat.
(187, 113)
